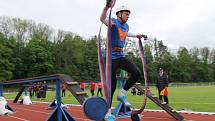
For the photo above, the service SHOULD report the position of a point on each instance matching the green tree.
(91, 59)
(212, 65)
(68, 55)
(38, 53)
(6, 65)
(184, 62)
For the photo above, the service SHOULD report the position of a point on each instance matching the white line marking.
(32, 110)
(18, 118)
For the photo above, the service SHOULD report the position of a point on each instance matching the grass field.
(193, 98)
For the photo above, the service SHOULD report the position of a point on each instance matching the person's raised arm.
(104, 14)
(129, 34)
(104, 18)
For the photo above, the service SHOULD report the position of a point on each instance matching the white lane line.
(22, 119)
(50, 113)
(33, 111)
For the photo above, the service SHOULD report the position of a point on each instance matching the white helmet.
(122, 8)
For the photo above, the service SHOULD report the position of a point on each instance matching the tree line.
(28, 49)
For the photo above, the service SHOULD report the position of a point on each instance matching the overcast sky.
(185, 23)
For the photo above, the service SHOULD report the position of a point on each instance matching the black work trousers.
(126, 65)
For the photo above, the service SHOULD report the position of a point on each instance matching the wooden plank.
(157, 101)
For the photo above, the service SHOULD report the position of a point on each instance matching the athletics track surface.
(39, 112)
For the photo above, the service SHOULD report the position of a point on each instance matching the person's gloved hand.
(142, 36)
(109, 3)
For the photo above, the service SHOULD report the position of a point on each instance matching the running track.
(39, 112)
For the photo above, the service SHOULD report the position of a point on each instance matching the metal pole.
(58, 98)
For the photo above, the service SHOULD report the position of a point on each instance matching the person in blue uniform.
(119, 32)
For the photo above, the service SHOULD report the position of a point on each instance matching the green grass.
(195, 98)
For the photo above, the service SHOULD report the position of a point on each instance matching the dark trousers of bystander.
(92, 92)
(63, 93)
(99, 91)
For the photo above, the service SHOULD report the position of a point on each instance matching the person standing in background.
(99, 85)
(63, 90)
(34, 90)
(162, 84)
(30, 89)
(82, 86)
(45, 87)
(38, 90)
(92, 88)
